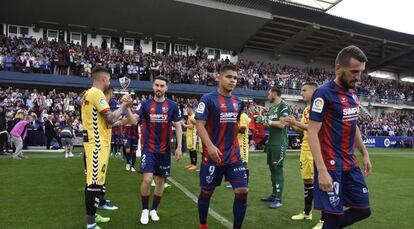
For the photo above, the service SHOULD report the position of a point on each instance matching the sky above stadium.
(396, 15)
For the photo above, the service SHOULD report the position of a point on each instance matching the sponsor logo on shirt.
(318, 104)
(228, 117)
(102, 102)
(350, 114)
(159, 118)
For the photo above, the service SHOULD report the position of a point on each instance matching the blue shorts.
(131, 143)
(116, 139)
(211, 175)
(156, 163)
(350, 190)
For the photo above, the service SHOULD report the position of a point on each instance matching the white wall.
(192, 51)
(263, 56)
(96, 41)
(36, 35)
(146, 48)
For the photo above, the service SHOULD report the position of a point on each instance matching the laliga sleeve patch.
(318, 104)
(201, 107)
(102, 102)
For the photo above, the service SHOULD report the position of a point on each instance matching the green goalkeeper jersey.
(278, 136)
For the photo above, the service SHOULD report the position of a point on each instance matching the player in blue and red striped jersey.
(156, 117)
(116, 140)
(333, 133)
(217, 118)
(130, 133)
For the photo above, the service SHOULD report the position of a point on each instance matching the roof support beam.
(319, 51)
(373, 45)
(375, 65)
(298, 37)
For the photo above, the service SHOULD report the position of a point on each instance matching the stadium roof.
(321, 5)
(279, 27)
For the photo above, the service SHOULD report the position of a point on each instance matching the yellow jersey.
(305, 120)
(191, 132)
(94, 105)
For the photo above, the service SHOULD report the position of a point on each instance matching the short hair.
(277, 90)
(313, 84)
(98, 70)
(227, 67)
(163, 78)
(344, 56)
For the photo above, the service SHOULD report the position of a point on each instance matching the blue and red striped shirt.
(116, 131)
(338, 110)
(221, 114)
(157, 118)
(131, 132)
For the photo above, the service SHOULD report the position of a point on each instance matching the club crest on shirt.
(201, 107)
(209, 179)
(334, 200)
(164, 109)
(235, 106)
(318, 104)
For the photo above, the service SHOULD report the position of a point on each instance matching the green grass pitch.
(47, 191)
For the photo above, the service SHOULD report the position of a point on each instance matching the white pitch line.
(211, 212)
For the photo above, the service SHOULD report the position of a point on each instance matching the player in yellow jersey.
(193, 141)
(96, 119)
(243, 139)
(306, 159)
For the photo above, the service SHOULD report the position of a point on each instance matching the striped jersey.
(221, 114)
(338, 110)
(157, 119)
(130, 131)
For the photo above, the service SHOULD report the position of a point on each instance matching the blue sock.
(239, 209)
(155, 202)
(144, 200)
(203, 204)
(331, 221)
(354, 215)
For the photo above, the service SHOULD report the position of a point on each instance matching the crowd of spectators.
(51, 57)
(388, 124)
(63, 108)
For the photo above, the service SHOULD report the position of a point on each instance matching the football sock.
(332, 221)
(239, 209)
(155, 202)
(133, 157)
(308, 194)
(203, 204)
(144, 200)
(92, 201)
(353, 215)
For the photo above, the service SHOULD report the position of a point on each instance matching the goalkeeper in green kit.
(277, 143)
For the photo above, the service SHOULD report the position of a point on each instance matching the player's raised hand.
(214, 153)
(178, 154)
(127, 100)
(325, 181)
(367, 165)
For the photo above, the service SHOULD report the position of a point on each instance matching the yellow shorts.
(194, 143)
(244, 149)
(306, 165)
(96, 163)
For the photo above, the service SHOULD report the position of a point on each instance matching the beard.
(159, 94)
(271, 99)
(346, 84)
